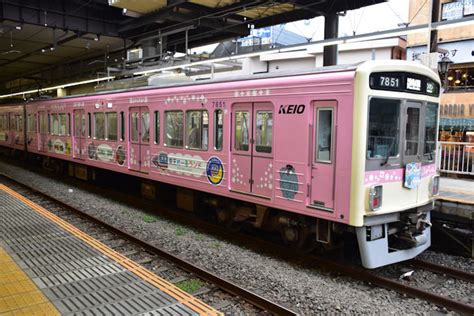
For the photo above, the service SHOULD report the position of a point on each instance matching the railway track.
(328, 264)
(406, 289)
(71, 214)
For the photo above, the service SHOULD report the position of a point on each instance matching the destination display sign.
(404, 82)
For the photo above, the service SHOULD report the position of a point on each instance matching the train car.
(12, 126)
(314, 156)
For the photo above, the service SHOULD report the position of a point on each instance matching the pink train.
(346, 150)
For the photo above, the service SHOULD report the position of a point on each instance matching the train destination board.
(403, 82)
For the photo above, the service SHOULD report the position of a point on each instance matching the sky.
(379, 17)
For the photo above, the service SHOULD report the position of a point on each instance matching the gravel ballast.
(306, 291)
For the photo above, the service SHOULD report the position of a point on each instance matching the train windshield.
(401, 131)
(431, 124)
(384, 128)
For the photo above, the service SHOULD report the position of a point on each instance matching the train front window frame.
(430, 131)
(412, 129)
(383, 123)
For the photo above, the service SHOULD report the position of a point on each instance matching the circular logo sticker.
(215, 170)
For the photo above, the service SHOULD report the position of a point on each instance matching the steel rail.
(210, 277)
(342, 268)
(390, 284)
(433, 267)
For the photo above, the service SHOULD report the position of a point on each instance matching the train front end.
(394, 178)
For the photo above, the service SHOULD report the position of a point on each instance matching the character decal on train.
(160, 161)
(91, 151)
(120, 155)
(105, 153)
(56, 146)
(215, 170)
(288, 182)
(412, 175)
(68, 147)
(186, 164)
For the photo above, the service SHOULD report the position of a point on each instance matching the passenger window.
(145, 127)
(384, 118)
(55, 124)
(69, 123)
(431, 118)
(62, 124)
(49, 123)
(112, 126)
(89, 132)
(122, 126)
(324, 135)
(197, 127)
(31, 122)
(80, 124)
(99, 125)
(174, 128)
(412, 131)
(43, 123)
(19, 127)
(2, 123)
(241, 130)
(134, 126)
(264, 132)
(157, 127)
(218, 129)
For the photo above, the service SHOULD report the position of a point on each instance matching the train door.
(79, 137)
(139, 139)
(323, 162)
(252, 149)
(32, 130)
(411, 150)
(43, 131)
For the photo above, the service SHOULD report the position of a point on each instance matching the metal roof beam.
(64, 15)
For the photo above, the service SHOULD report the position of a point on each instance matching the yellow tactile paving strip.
(167, 287)
(18, 294)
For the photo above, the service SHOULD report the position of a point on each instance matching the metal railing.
(456, 157)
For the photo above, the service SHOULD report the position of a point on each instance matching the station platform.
(456, 197)
(49, 267)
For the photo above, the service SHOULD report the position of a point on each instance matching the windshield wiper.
(388, 152)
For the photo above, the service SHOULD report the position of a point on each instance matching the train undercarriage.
(396, 232)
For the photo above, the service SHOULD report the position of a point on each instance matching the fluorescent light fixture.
(72, 84)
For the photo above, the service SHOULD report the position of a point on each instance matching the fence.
(456, 157)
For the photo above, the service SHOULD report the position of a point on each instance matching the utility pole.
(434, 17)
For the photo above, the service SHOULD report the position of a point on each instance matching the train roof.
(362, 66)
(171, 84)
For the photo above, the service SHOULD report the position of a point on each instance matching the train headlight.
(375, 197)
(434, 185)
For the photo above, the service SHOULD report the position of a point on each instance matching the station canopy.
(55, 41)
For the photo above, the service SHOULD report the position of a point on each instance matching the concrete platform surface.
(50, 267)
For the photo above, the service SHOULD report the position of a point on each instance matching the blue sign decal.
(215, 170)
(412, 175)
